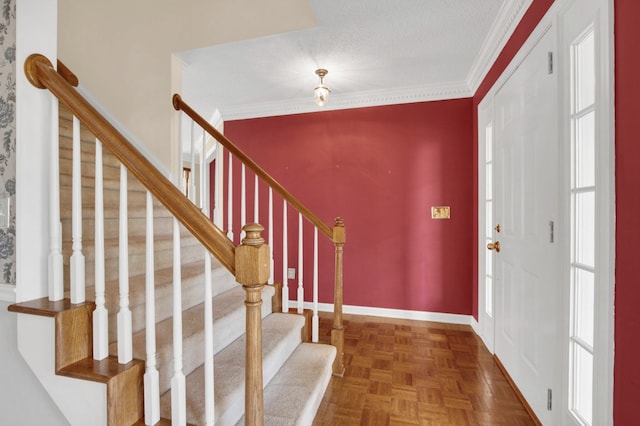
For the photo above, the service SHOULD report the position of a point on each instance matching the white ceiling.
(376, 51)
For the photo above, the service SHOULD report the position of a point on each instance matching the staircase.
(294, 373)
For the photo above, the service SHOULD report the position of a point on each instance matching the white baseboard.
(8, 293)
(475, 325)
(393, 313)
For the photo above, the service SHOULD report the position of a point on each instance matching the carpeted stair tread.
(228, 325)
(294, 394)
(281, 336)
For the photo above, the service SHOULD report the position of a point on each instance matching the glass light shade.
(321, 94)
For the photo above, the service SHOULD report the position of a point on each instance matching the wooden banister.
(252, 264)
(67, 74)
(180, 105)
(337, 332)
(336, 234)
(41, 73)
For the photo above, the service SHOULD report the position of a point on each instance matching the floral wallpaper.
(8, 136)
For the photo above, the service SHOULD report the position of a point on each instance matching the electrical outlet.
(291, 273)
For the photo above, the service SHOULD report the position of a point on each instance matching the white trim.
(435, 92)
(476, 327)
(7, 293)
(36, 31)
(485, 322)
(509, 16)
(395, 313)
(124, 131)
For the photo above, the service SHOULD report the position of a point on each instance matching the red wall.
(381, 169)
(627, 319)
(627, 91)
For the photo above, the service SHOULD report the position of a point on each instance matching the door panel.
(526, 205)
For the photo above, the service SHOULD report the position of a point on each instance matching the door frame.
(604, 315)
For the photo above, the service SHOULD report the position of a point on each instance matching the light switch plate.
(291, 273)
(440, 212)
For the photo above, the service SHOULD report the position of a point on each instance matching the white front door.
(528, 290)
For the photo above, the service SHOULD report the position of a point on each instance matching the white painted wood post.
(192, 180)
(314, 320)
(209, 395)
(125, 345)
(100, 314)
(256, 201)
(151, 375)
(285, 263)
(243, 200)
(56, 284)
(204, 205)
(271, 242)
(230, 199)
(300, 294)
(218, 209)
(77, 258)
(178, 387)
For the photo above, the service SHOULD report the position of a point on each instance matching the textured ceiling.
(376, 52)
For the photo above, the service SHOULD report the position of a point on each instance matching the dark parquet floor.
(405, 372)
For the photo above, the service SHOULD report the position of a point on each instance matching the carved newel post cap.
(253, 234)
(339, 233)
(252, 257)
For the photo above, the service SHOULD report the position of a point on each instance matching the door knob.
(494, 246)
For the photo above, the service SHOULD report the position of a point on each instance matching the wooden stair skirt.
(295, 374)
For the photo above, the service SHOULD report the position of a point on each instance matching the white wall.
(23, 401)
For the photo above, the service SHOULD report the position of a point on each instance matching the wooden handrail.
(67, 74)
(41, 73)
(180, 105)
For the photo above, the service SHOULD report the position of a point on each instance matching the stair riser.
(110, 164)
(163, 258)
(111, 199)
(137, 227)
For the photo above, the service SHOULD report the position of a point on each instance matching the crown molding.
(509, 15)
(453, 90)
(508, 18)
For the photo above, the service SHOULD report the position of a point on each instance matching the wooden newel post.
(252, 271)
(337, 333)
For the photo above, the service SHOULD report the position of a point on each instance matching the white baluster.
(300, 266)
(314, 319)
(178, 388)
(208, 342)
(192, 181)
(271, 242)
(125, 345)
(243, 199)
(285, 262)
(218, 207)
(77, 258)
(256, 201)
(204, 206)
(56, 284)
(151, 376)
(230, 199)
(100, 314)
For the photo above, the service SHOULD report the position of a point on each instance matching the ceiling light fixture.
(321, 92)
